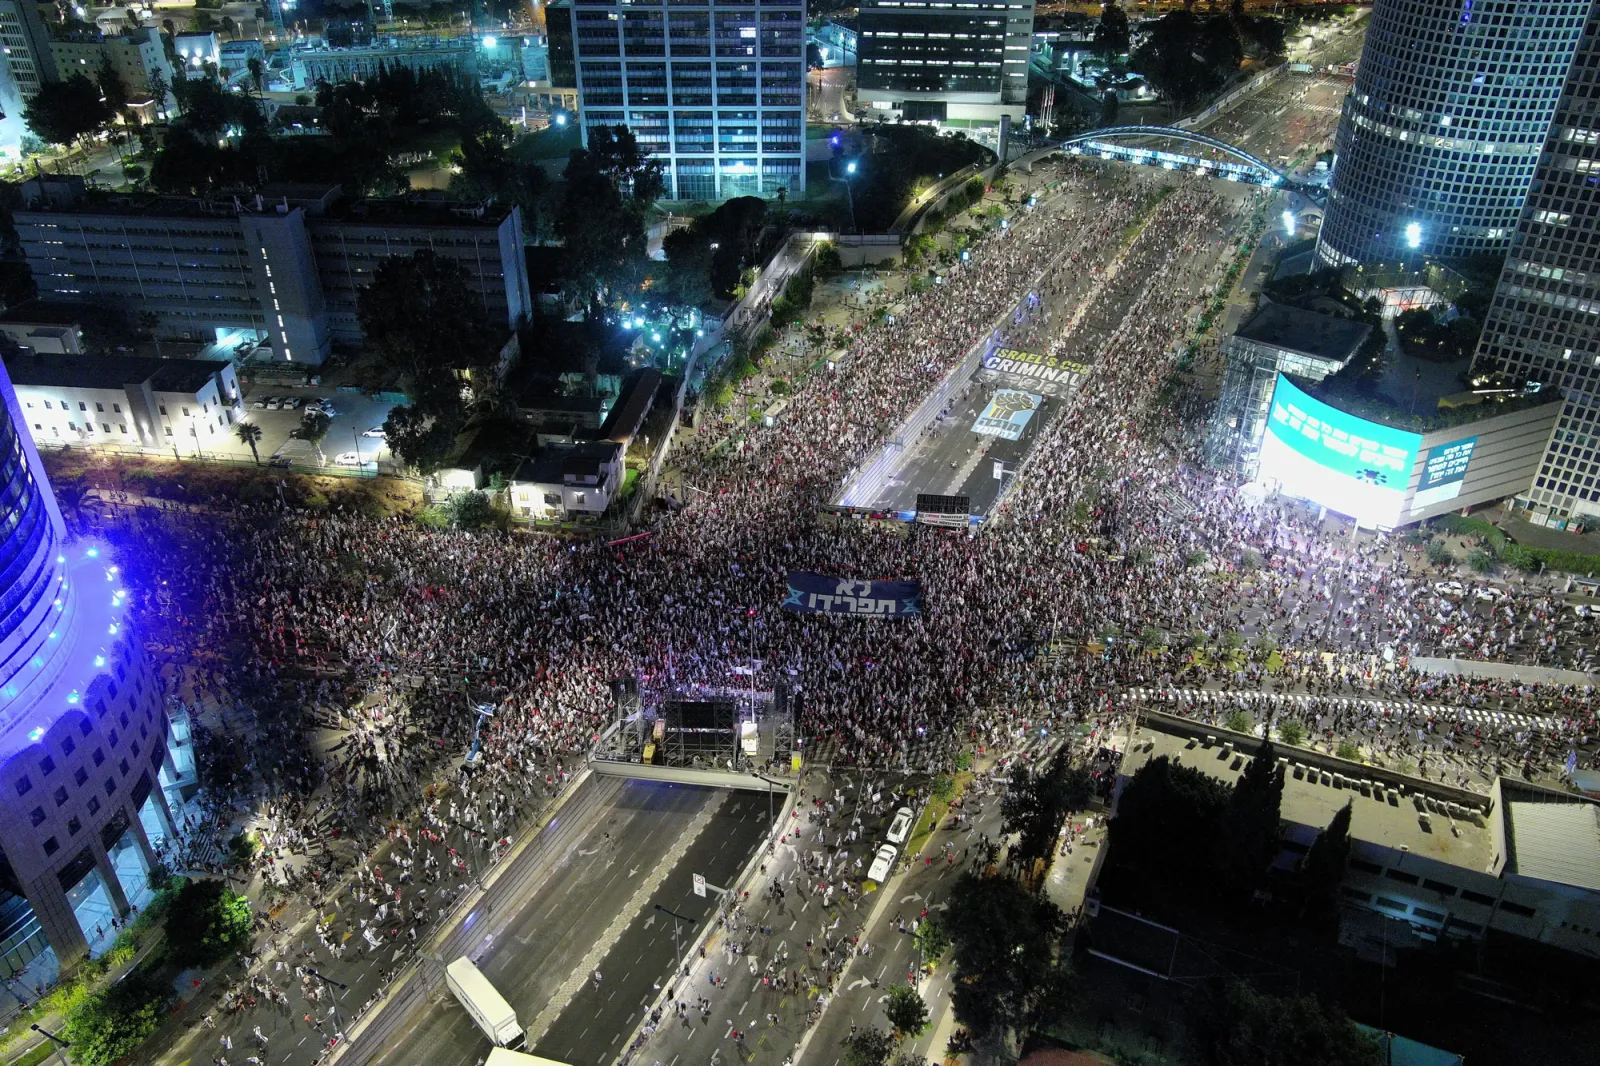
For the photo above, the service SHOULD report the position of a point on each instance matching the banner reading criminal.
(820, 594)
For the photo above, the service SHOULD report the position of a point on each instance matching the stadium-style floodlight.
(850, 167)
(489, 42)
(1413, 235)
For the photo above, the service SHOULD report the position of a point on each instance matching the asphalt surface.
(534, 941)
(592, 1028)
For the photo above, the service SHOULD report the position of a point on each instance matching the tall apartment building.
(135, 55)
(944, 60)
(1444, 124)
(88, 757)
(288, 264)
(26, 42)
(1544, 323)
(715, 90)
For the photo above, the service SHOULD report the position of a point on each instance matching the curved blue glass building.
(83, 734)
(1444, 125)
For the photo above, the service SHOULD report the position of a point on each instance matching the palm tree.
(249, 433)
(70, 496)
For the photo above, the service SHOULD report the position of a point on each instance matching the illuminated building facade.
(1444, 125)
(715, 91)
(86, 749)
(1544, 324)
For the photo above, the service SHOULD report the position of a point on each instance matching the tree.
(906, 1011)
(258, 73)
(229, 27)
(1007, 976)
(314, 426)
(157, 84)
(868, 1046)
(1234, 1025)
(64, 111)
(110, 1024)
(1111, 36)
(1324, 868)
(206, 923)
(1037, 803)
(422, 440)
(470, 510)
(1250, 839)
(1184, 57)
(610, 186)
(249, 433)
(933, 939)
(112, 90)
(426, 324)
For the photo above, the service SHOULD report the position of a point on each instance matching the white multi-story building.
(1544, 323)
(197, 49)
(135, 55)
(714, 90)
(181, 405)
(25, 65)
(944, 61)
(288, 264)
(312, 64)
(1443, 126)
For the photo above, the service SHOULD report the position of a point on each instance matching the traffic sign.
(700, 885)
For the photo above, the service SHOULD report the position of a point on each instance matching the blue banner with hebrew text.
(819, 594)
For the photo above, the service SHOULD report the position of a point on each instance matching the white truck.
(501, 1057)
(487, 1006)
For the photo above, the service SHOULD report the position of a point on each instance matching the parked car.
(376, 431)
(347, 459)
(279, 461)
(260, 402)
(879, 871)
(293, 403)
(900, 828)
(324, 406)
(275, 403)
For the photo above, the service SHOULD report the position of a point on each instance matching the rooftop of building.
(557, 461)
(638, 393)
(1374, 818)
(69, 195)
(1307, 332)
(1551, 836)
(111, 371)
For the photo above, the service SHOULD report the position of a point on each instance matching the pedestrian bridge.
(1131, 144)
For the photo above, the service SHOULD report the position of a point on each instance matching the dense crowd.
(348, 641)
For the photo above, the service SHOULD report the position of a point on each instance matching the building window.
(111, 786)
(74, 826)
(163, 409)
(79, 776)
(100, 408)
(94, 805)
(116, 408)
(99, 756)
(51, 847)
(36, 816)
(82, 406)
(105, 427)
(23, 785)
(59, 795)
(1477, 897)
(1517, 908)
(68, 745)
(47, 766)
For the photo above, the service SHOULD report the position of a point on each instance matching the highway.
(580, 899)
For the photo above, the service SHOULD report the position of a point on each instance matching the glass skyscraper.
(1443, 126)
(714, 89)
(85, 763)
(1546, 313)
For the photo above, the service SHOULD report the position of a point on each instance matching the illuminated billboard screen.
(1345, 463)
(1442, 473)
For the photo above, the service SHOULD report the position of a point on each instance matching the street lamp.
(677, 952)
(849, 172)
(333, 998)
(53, 1038)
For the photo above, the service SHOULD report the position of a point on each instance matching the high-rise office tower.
(1545, 319)
(1443, 126)
(945, 61)
(85, 763)
(714, 89)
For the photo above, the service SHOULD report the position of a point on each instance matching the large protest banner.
(819, 594)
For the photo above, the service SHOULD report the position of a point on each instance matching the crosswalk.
(1403, 709)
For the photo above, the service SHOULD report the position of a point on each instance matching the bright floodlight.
(849, 168)
(561, 120)
(1413, 235)
(1288, 223)
(489, 42)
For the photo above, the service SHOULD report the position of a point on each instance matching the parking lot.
(347, 444)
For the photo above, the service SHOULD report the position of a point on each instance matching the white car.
(879, 871)
(900, 828)
(1488, 593)
(1583, 610)
(1450, 588)
(324, 406)
(274, 403)
(260, 402)
(375, 431)
(347, 459)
